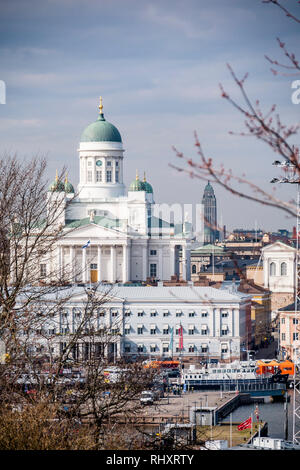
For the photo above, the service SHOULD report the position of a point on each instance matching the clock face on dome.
(98, 163)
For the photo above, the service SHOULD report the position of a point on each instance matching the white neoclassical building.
(188, 322)
(279, 274)
(124, 238)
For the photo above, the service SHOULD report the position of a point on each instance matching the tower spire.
(137, 176)
(144, 177)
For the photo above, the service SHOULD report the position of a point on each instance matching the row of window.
(140, 348)
(100, 175)
(295, 321)
(295, 336)
(167, 331)
(283, 269)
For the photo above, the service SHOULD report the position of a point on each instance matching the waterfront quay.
(203, 411)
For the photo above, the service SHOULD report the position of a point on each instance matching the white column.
(125, 276)
(113, 264)
(72, 264)
(84, 265)
(160, 263)
(172, 260)
(99, 267)
(60, 262)
(145, 262)
(183, 262)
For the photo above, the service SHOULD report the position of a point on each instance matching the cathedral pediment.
(93, 230)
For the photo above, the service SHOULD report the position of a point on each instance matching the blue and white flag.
(171, 341)
(87, 244)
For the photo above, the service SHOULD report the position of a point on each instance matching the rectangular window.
(140, 348)
(153, 314)
(98, 176)
(191, 314)
(295, 336)
(153, 331)
(165, 348)
(204, 349)
(140, 314)
(153, 270)
(117, 176)
(108, 176)
(153, 252)
(204, 332)
(43, 270)
(191, 349)
(90, 176)
(166, 331)
(283, 336)
(224, 314)
(108, 164)
(127, 348)
(127, 330)
(191, 331)
(114, 313)
(127, 313)
(224, 332)
(283, 321)
(204, 314)
(295, 321)
(140, 330)
(117, 163)
(152, 348)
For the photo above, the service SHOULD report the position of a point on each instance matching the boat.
(241, 376)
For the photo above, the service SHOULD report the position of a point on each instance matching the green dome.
(147, 187)
(136, 185)
(68, 187)
(56, 186)
(101, 131)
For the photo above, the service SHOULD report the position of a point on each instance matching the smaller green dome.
(136, 185)
(147, 186)
(57, 185)
(68, 187)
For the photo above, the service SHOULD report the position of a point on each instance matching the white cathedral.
(124, 241)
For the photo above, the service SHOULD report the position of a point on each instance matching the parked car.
(147, 397)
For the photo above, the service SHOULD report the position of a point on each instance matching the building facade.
(190, 323)
(279, 273)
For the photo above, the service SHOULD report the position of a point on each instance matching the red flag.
(181, 338)
(245, 425)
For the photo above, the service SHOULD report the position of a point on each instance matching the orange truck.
(275, 367)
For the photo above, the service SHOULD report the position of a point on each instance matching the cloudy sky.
(158, 65)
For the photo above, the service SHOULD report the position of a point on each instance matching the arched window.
(194, 269)
(283, 269)
(272, 269)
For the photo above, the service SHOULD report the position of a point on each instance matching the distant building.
(279, 273)
(289, 331)
(211, 234)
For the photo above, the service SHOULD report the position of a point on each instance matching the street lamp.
(292, 178)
